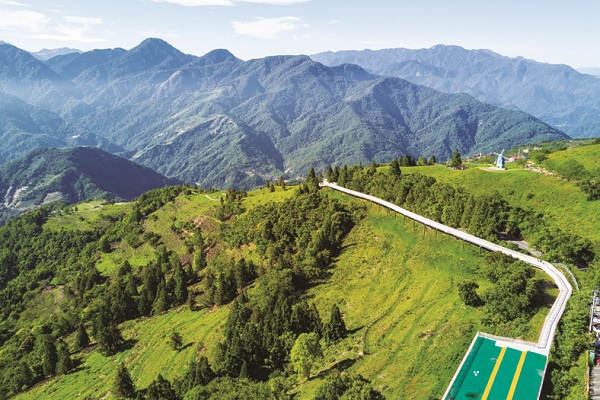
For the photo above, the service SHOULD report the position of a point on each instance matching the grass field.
(560, 201)
(149, 354)
(395, 287)
(393, 281)
(87, 215)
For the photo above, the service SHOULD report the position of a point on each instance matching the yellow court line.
(488, 387)
(513, 385)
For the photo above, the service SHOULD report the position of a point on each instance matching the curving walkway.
(549, 328)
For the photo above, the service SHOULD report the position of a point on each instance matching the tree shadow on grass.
(190, 344)
(340, 366)
(353, 331)
(128, 344)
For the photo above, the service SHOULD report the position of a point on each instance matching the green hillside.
(71, 175)
(560, 201)
(408, 328)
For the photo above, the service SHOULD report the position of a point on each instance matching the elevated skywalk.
(530, 355)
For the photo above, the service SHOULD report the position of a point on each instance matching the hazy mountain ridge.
(24, 127)
(73, 174)
(556, 94)
(220, 121)
(46, 54)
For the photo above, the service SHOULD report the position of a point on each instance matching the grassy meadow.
(394, 283)
(562, 202)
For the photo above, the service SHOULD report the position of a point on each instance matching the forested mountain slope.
(244, 282)
(220, 121)
(72, 175)
(24, 127)
(556, 94)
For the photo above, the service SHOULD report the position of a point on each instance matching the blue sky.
(554, 31)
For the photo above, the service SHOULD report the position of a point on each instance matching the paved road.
(549, 328)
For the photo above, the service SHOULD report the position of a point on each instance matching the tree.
(181, 290)
(468, 294)
(456, 160)
(335, 329)
(49, 355)
(160, 389)
(346, 386)
(109, 339)
(82, 340)
(421, 161)
(123, 387)
(282, 183)
(175, 340)
(395, 168)
(372, 168)
(431, 160)
(305, 352)
(65, 363)
(161, 303)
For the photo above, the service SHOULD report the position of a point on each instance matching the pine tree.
(49, 356)
(109, 339)
(431, 160)
(82, 340)
(282, 182)
(372, 168)
(106, 332)
(329, 174)
(336, 174)
(456, 160)
(160, 389)
(175, 340)
(395, 168)
(161, 303)
(123, 387)
(335, 329)
(181, 290)
(65, 363)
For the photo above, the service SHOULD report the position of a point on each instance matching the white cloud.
(268, 28)
(83, 20)
(29, 21)
(204, 3)
(197, 3)
(334, 21)
(73, 29)
(274, 2)
(13, 3)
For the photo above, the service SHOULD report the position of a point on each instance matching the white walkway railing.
(549, 328)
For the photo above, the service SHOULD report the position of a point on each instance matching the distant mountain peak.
(154, 44)
(46, 54)
(220, 55)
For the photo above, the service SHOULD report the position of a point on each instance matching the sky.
(552, 31)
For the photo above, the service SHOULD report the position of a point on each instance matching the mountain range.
(73, 175)
(556, 94)
(219, 121)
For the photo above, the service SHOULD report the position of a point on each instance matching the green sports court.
(492, 372)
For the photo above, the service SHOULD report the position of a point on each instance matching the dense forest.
(272, 331)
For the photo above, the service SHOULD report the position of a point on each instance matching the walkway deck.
(530, 355)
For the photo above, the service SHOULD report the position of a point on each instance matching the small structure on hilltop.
(500, 160)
